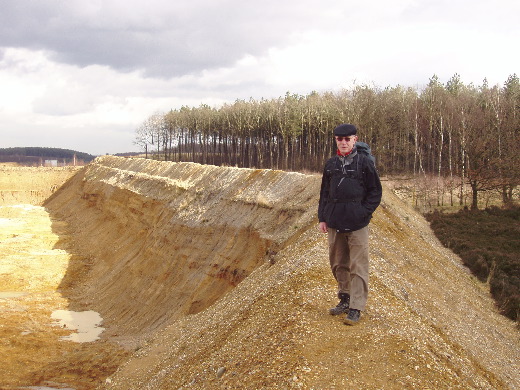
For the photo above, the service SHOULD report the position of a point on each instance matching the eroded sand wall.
(160, 240)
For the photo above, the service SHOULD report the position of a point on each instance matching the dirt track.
(213, 277)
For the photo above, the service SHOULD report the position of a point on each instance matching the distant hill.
(38, 155)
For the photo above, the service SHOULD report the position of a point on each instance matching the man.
(350, 193)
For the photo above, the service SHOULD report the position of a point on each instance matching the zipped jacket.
(350, 192)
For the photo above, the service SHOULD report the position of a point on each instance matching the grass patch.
(488, 242)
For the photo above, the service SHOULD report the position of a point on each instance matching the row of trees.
(462, 134)
(34, 151)
(36, 156)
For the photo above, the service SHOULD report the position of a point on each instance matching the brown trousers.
(348, 255)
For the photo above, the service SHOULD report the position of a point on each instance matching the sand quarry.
(138, 274)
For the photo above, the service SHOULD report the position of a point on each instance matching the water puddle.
(86, 323)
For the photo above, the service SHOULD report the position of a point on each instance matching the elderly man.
(350, 193)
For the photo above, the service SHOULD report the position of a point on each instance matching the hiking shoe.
(342, 306)
(352, 317)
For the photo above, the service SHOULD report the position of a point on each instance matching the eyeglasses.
(343, 138)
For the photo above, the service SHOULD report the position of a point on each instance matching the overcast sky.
(83, 75)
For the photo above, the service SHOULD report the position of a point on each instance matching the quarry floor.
(33, 351)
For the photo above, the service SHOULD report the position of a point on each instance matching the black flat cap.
(345, 130)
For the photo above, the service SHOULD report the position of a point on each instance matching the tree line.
(34, 154)
(462, 134)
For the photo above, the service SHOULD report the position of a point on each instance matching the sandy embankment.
(170, 239)
(217, 278)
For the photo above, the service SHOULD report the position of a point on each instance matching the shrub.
(475, 260)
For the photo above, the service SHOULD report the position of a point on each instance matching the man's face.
(345, 144)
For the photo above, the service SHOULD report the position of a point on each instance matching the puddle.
(86, 323)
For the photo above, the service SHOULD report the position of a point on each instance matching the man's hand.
(322, 227)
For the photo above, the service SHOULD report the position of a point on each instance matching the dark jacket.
(350, 192)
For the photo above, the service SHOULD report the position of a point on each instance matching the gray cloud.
(84, 74)
(161, 38)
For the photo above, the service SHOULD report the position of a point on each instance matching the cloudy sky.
(83, 75)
